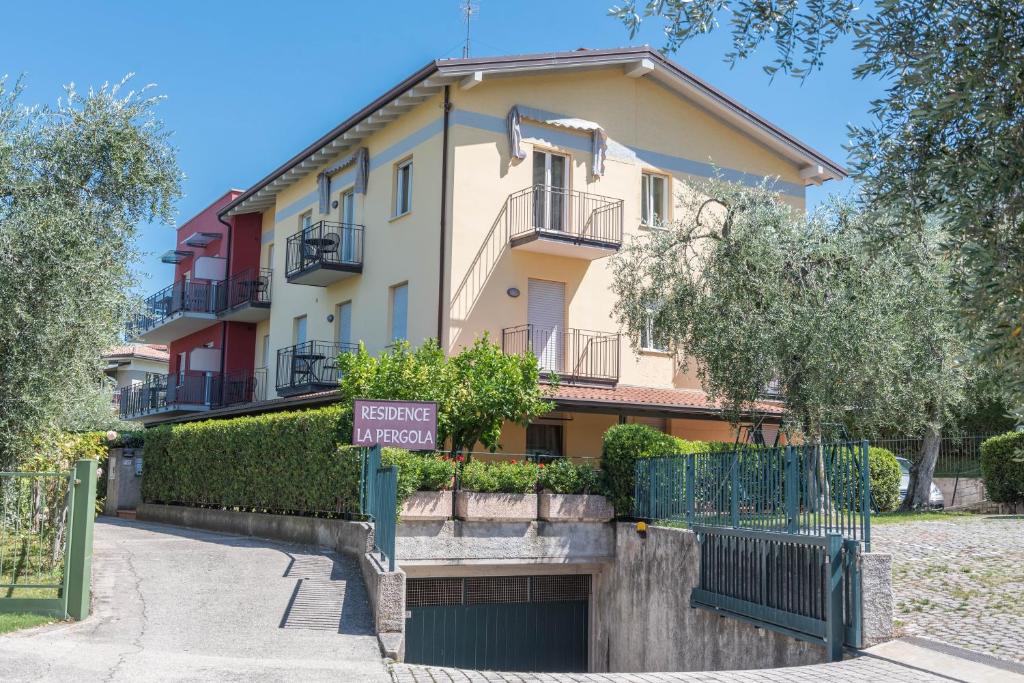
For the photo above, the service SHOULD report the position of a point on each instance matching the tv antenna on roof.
(469, 8)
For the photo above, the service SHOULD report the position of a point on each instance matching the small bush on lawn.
(885, 479)
(564, 476)
(499, 477)
(1002, 467)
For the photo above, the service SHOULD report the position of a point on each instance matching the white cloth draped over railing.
(598, 138)
(360, 157)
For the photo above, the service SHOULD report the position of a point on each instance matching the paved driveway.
(174, 604)
(959, 580)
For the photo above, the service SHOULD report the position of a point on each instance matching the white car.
(935, 499)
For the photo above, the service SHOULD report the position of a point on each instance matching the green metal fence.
(804, 489)
(959, 456)
(379, 499)
(46, 529)
(807, 587)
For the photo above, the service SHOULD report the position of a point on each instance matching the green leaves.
(1002, 467)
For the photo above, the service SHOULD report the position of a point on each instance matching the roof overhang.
(639, 62)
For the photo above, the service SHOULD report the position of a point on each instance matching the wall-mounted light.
(334, 204)
(330, 317)
(512, 292)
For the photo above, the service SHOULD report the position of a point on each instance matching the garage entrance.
(500, 623)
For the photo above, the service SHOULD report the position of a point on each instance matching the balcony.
(309, 367)
(324, 253)
(192, 392)
(174, 312)
(245, 296)
(552, 220)
(171, 395)
(575, 356)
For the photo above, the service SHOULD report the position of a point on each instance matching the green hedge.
(1002, 467)
(564, 476)
(622, 445)
(885, 479)
(280, 462)
(499, 477)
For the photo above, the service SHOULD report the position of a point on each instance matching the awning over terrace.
(599, 139)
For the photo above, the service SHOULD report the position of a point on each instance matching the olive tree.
(946, 137)
(76, 179)
(854, 330)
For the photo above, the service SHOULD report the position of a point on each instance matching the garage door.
(499, 623)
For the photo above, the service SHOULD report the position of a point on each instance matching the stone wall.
(961, 492)
(644, 622)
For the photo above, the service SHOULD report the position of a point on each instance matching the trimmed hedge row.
(280, 462)
(1002, 467)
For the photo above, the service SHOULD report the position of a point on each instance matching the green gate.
(499, 623)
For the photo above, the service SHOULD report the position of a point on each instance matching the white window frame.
(270, 256)
(305, 220)
(393, 295)
(647, 200)
(403, 194)
(647, 341)
(338, 318)
(297, 321)
(266, 351)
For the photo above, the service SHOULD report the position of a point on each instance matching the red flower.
(459, 458)
(515, 462)
(541, 465)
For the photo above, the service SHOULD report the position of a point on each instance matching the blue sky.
(250, 83)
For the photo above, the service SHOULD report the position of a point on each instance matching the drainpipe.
(223, 323)
(444, 216)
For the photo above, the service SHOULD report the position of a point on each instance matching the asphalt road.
(173, 604)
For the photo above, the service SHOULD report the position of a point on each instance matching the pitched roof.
(682, 402)
(431, 79)
(156, 352)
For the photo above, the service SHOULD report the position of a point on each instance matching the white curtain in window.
(598, 138)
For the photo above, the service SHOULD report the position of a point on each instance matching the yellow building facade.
(488, 196)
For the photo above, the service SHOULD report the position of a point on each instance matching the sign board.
(406, 424)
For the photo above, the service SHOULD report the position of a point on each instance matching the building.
(133, 364)
(477, 195)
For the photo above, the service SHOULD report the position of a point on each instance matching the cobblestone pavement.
(850, 671)
(959, 580)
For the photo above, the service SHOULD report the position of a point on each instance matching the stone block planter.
(565, 507)
(427, 505)
(495, 507)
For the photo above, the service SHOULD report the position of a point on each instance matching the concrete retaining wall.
(644, 621)
(386, 589)
(967, 491)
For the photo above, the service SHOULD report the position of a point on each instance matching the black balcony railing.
(574, 355)
(250, 286)
(570, 215)
(170, 392)
(192, 391)
(325, 244)
(310, 366)
(184, 296)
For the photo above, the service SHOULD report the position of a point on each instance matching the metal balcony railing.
(559, 213)
(183, 296)
(327, 244)
(310, 366)
(167, 392)
(245, 387)
(572, 354)
(249, 286)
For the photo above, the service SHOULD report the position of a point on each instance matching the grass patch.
(16, 622)
(917, 516)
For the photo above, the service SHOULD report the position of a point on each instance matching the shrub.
(499, 477)
(436, 473)
(623, 444)
(1002, 467)
(564, 476)
(281, 462)
(885, 479)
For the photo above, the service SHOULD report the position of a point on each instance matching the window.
(403, 188)
(653, 208)
(306, 220)
(181, 367)
(399, 312)
(545, 439)
(343, 317)
(266, 351)
(270, 256)
(649, 340)
(299, 330)
(347, 209)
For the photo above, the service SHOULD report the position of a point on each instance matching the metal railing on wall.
(46, 529)
(310, 364)
(249, 286)
(379, 501)
(184, 296)
(574, 355)
(325, 243)
(802, 489)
